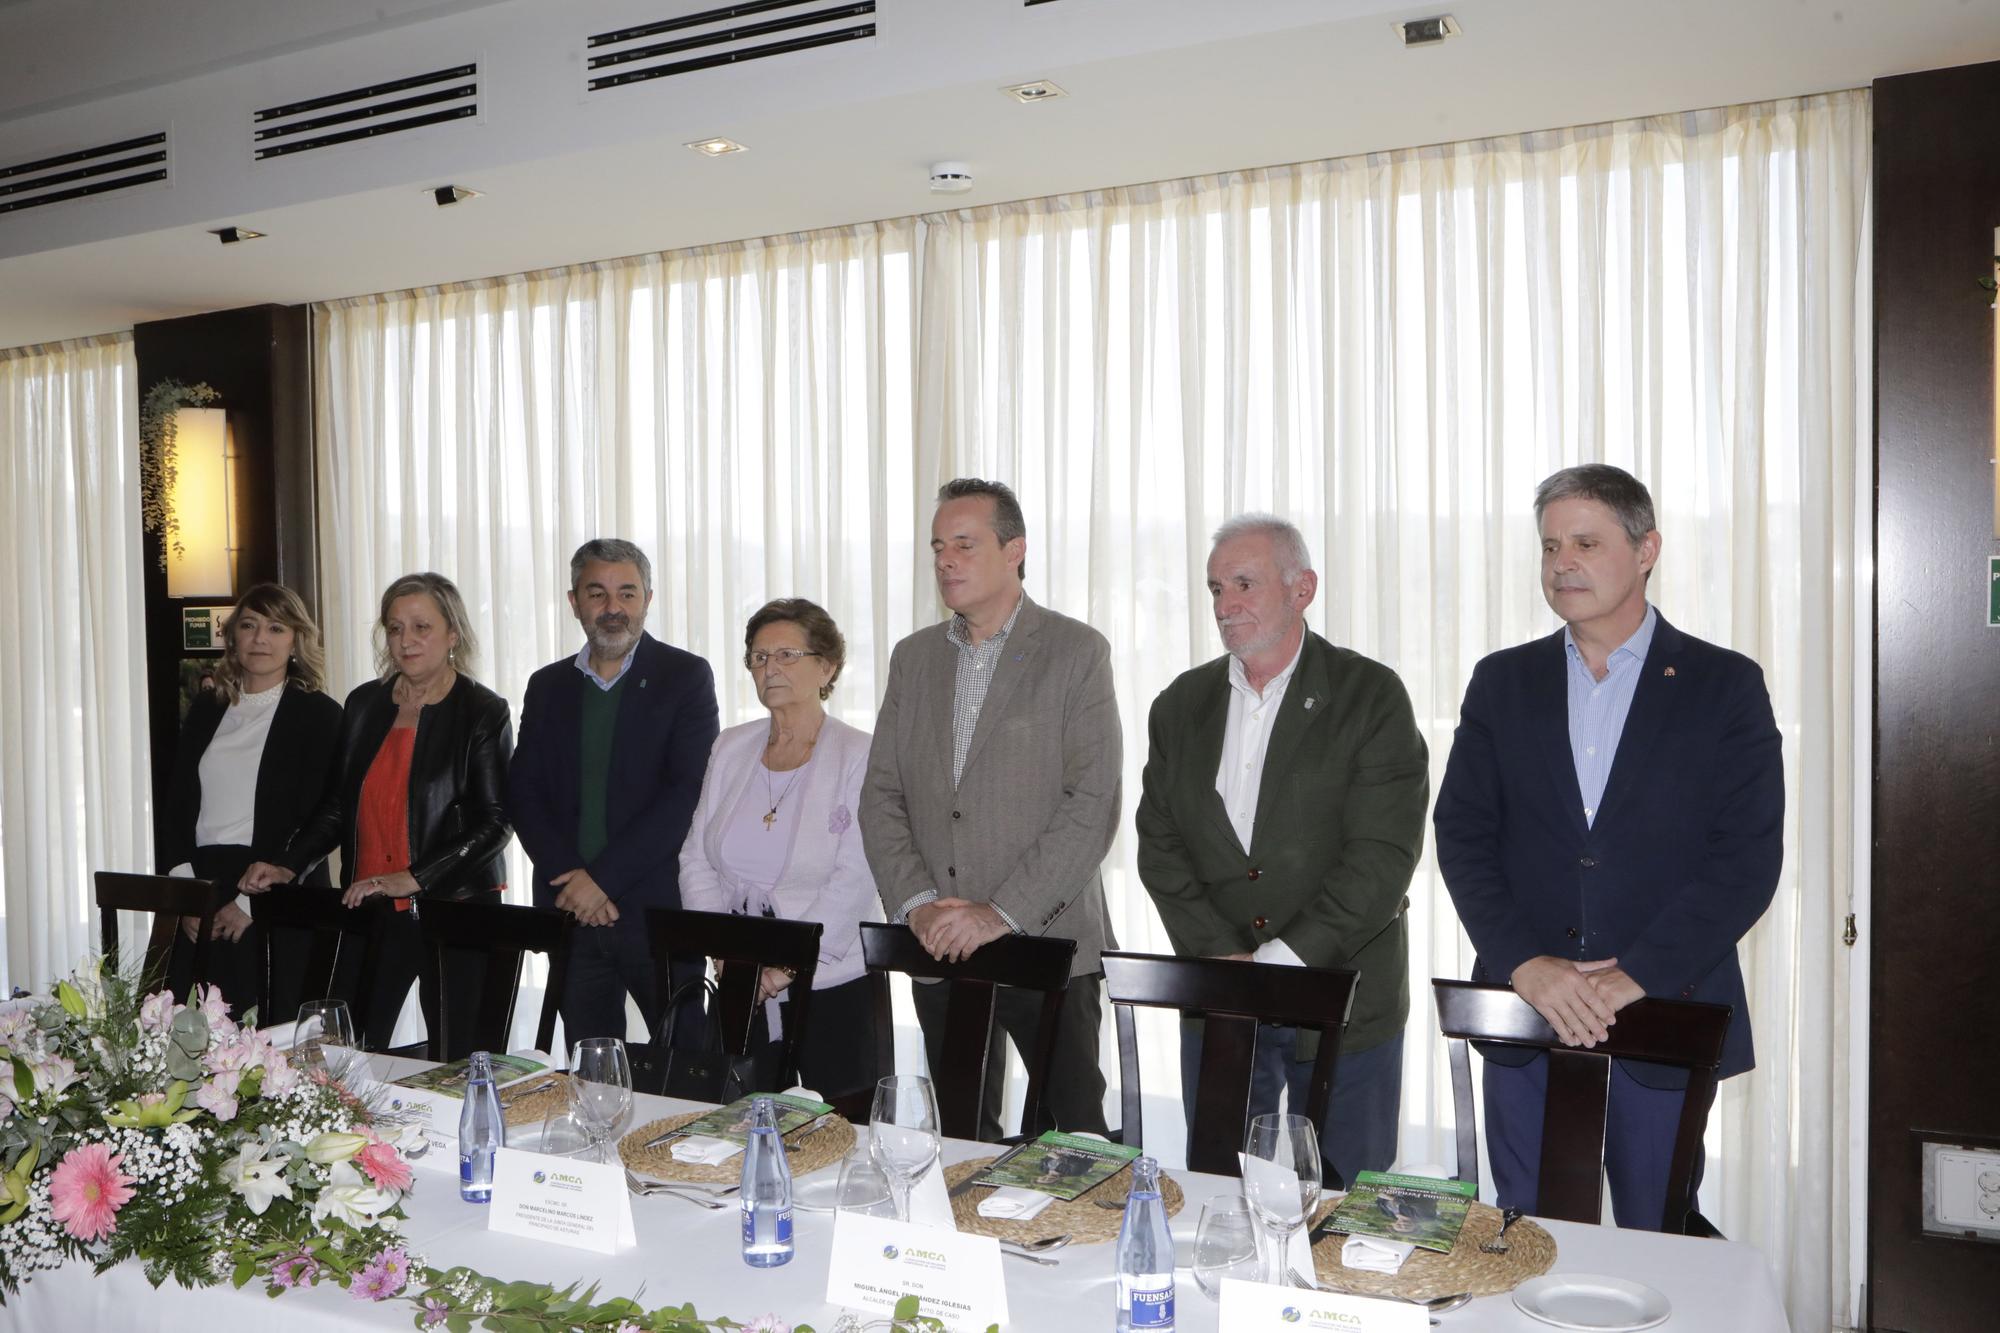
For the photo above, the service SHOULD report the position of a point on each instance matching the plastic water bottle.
(481, 1130)
(1145, 1255)
(767, 1191)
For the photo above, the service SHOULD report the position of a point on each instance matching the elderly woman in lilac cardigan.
(775, 835)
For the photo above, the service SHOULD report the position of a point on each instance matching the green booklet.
(449, 1079)
(1418, 1210)
(732, 1122)
(1064, 1165)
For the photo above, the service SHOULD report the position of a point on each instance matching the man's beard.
(606, 644)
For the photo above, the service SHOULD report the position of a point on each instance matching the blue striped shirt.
(1598, 708)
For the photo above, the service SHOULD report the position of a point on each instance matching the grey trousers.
(1074, 1100)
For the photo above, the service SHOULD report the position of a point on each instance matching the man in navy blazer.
(604, 782)
(1610, 825)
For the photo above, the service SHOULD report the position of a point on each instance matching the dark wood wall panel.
(1934, 1029)
(256, 358)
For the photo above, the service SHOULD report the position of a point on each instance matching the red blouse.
(382, 823)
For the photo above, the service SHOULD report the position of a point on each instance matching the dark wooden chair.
(745, 945)
(1671, 1032)
(503, 932)
(332, 928)
(1025, 962)
(1231, 998)
(169, 899)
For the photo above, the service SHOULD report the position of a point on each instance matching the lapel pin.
(1310, 701)
(642, 682)
(1670, 671)
(1019, 656)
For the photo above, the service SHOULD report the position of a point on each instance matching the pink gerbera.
(87, 1189)
(383, 1165)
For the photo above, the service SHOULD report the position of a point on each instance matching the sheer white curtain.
(75, 785)
(1392, 350)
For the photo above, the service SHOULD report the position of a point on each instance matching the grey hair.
(610, 551)
(1008, 522)
(1613, 487)
(1288, 544)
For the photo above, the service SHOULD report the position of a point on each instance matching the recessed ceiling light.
(1041, 90)
(231, 235)
(717, 147)
(1427, 32)
(444, 196)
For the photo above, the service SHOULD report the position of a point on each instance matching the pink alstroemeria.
(218, 1095)
(156, 1013)
(215, 1009)
(279, 1076)
(87, 1189)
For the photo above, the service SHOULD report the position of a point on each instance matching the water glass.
(864, 1187)
(1225, 1244)
(903, 1135)
(1281, 1180)
(323, 1041)
(600, 1083)
(567, 1134)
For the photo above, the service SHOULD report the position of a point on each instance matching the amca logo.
(541, 1177)
(890, 1252)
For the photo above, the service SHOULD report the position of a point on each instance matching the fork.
(1301, 1280)
(1498, 1245)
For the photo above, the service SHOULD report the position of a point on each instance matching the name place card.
(955, 1276)
(1255, 1307)
(580, 1204)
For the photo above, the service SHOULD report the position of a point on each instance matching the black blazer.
(667, 724)
(1682, 858)
(458, 783)
(292, 776)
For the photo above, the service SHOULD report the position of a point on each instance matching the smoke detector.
(950, 178)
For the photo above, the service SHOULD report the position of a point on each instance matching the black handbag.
(707, 1075)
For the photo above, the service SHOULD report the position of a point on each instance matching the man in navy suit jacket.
(604, 783)
(1610, 824)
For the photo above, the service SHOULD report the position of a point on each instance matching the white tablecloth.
(687, 1253)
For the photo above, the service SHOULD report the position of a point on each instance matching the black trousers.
(1074, 1101)
(238, 967)
(377, 993)
(606, 963)
(838, 1054)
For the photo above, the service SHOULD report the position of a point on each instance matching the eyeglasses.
(784, 657)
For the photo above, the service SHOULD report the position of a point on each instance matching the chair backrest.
(745, 945)
(333, 927)
(168, 898)
(1669, 1032)
(1231, 998)
(502, 932)
(1025, 962)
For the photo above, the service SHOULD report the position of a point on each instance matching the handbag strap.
(674, 1003)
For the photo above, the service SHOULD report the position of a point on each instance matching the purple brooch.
(839, 821)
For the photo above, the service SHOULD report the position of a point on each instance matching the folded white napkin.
(701, 1150)
(1016, 1205)
(1371, 1255)
(280, 1035)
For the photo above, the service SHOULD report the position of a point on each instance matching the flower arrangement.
(136, 1128)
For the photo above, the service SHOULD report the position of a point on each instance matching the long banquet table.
(690, 1254)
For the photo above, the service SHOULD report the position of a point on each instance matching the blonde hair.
(451, 607)
(274, 601)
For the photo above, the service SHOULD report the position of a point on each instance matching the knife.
(966, 1185)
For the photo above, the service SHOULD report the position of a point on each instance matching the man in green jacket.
(1281, 819)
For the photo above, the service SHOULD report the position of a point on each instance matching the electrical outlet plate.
(1961, 1191)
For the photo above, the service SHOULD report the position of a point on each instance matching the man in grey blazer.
(993, 787)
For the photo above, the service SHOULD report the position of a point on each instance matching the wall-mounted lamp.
(1996, 386)
(199, 558)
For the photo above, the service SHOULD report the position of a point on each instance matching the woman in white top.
(254, 757)
(775, 834)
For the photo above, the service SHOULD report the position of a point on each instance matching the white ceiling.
(1158, 88)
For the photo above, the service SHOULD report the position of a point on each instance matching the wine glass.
(864, 1187)
(1225, 1244)
(1280, 1181)
(324, 1039)
(600, 1083)
(903, 1133)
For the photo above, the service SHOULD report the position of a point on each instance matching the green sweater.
(600, 721)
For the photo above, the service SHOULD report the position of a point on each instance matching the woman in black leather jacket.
(418, 805)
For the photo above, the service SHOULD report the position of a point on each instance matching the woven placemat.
(1081, 1219)
(819, 1149)
(536, 1101)
(1427, 1274)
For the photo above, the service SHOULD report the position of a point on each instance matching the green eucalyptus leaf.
(24, 1079)
(181, 1065)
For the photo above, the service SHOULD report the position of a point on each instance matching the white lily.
(257, 1179)
(348, 1197)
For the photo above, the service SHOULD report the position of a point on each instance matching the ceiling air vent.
(367, 113)
(87, 171)
(727, 35)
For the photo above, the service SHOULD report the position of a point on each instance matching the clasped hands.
(1581, 1000)
(950, 929)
